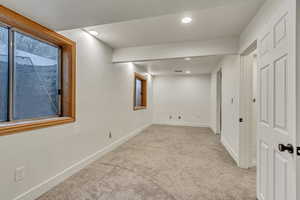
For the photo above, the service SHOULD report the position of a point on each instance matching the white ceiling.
(207, 24)
(68, 14)
(197, 65)
(127, 23)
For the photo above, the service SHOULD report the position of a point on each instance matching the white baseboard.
(232, 153)
(182, 123)
(212, 130)
(253, 163)
(38, 190)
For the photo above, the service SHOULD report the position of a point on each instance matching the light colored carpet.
(162, 163)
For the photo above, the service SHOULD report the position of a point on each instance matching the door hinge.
(298, 151)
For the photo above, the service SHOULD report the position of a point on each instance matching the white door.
(277, 104)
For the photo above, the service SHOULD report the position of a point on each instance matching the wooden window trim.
(68, 73)
(144, 92)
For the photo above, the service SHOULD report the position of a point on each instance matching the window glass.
(138, 92)
(3, 74)
(36, 78)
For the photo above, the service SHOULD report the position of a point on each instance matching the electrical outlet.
(109, 135)
(19, 174)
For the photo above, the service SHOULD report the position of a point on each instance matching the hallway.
(162, 163)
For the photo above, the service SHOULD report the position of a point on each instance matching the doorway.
(248, 108)
(219, 102)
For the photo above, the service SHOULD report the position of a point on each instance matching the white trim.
(246, 106)
(38, 190)
(219, 101)
(181, 123)
(212, 130)
(230, 150)
(253, 163)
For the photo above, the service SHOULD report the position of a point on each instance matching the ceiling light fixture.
(94, 33)
(186, 20)
(188, 72)
(187, 59)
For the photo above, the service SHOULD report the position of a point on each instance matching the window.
(33, 62)
(3, 73)
(35, 78)
(140, 92)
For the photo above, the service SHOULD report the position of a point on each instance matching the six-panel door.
(276, 117)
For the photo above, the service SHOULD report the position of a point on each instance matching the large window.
(37, 75)
(30, 77)
(140, 92)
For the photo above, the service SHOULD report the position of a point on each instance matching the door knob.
(298, 151)
(289, 148)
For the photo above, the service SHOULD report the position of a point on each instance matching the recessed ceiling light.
(187, 59)
(94, 33)
(188, 72)
(186, 20)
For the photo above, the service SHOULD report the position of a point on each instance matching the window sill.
(14, 127)
(140, 108)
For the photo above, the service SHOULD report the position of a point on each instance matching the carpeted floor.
(162, 163)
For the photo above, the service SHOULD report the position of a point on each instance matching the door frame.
(296, 16)
(245, 106)
(219, 102)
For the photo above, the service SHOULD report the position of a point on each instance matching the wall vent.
(178, 71)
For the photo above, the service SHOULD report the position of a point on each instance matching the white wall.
(187, 96)
(104, 102)
(230, 103)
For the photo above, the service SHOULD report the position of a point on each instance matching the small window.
(37, 75)
(140, 92)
